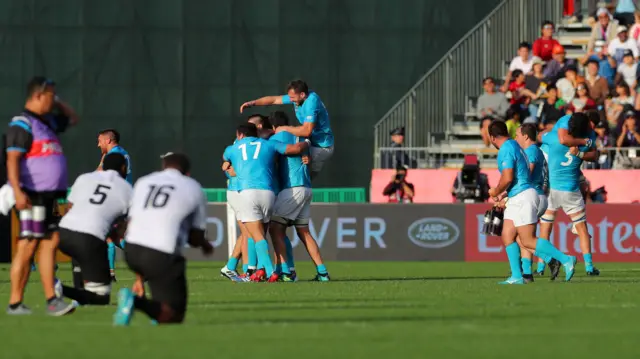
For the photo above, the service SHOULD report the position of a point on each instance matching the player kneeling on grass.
(96, 200)
(292, 207)
(168, 209)
(521, 213)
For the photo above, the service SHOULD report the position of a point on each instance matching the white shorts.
(232, 200)
(319, 155)
(542, 206)
(522, 208)
(570, 202)
(293, 204)
(255, 205)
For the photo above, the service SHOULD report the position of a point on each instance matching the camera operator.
(470, 185)
(399, 190)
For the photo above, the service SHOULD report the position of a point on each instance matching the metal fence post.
(447, 93)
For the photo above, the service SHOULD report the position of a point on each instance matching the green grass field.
(370, 310)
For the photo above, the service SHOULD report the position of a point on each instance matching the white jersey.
(97, 198)
(166, 205)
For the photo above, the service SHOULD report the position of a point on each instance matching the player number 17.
(243, 147)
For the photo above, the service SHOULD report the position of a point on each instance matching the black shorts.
(165, 273)
(40, 228)
(89, 252)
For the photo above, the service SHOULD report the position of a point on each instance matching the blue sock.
(251, 253)
(545, 248)
(122, 243)
(285, 268)
(262, 249)
(245, 268)
(321, 269)
(540, 268)
(545, 257)
(526, 266)
(287, 244)
(588, 262)
(111, 254)
(232, 264)
(513, 253)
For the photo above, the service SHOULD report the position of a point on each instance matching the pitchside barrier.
(422, 232)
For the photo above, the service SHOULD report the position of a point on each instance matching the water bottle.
(486, 222)
(497, 224)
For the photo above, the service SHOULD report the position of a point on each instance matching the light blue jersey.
(122, 151)
(563, 123)
(291, 171)
(564, 168)
(313, 110)
(253, 160)
(511, 156)
(536, 157)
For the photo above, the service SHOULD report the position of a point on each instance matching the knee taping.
(577, 218)
(98, 288)
(39, 214)
(548, 217)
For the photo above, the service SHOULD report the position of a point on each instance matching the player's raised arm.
(292, 150)
(566, 139)
(262, 101)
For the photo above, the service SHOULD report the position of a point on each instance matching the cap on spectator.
(572, 68)
(536, 60)
(603, 11)
(630, 113)
(627, 52)
(621, 29)
(397, 131)
(557, 49)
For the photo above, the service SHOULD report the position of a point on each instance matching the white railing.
(434, 157)
(429, 107)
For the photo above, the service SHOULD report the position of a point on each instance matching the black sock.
(84, 297)
(148, 306)
(14, 306)
(50, 300)
(78, 283)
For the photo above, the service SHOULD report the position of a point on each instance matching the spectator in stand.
(519, 93)
(544, 45)
(536, 83)
(582, 102)
(522, 62)
(624, 12)
(399, 190)
(492, 105)
(629, 137)
(553, 107)
(616, 106)
(621, 43)
(598, 86)
(567, 85)
(556, 68)
(606, 64)
(627, 71)
(397, 156)
(603, 31)
(603, 141)
(514, 116)
(634, 32)
(628, 131)
(592, 6)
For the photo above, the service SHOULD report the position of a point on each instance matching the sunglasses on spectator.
(547, 27)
